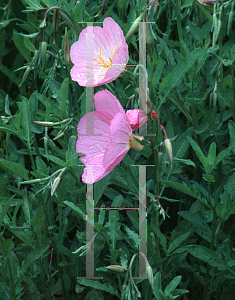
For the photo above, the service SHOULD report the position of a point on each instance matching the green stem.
(233, 80)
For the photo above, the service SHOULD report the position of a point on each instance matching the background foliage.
(190, 214)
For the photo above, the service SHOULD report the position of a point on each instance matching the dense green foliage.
(190, 207)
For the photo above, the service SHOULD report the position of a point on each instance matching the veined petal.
(114, 29)
(120, 131)
(106, 101)
(93, 140)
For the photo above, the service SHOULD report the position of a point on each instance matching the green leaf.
(20, 234)
(222, 155)
(198, 152)
(161, 236)
(63, 231)
(174, 244)
(55, 160)
(184, 189)
(29, 45)
(172, 285)
(26, 120)
(76, 209)
(63, 95)
(113, 220)
(187, 3)
(35, 254)
(220, 210)
(14, 168)
(212, 154)
(196, 32)
(195, 220)
(39, 218)
(207, 255)
(179, 71)
(18, 41)
(4, 210)
(99, 286)
(181, 144)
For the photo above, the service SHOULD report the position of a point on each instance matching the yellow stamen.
(102, 62)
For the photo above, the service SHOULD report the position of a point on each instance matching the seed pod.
(66, 48)
(118, 269)
(44, 53)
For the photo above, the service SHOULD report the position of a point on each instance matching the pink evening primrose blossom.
(105, 144)
(110, 54)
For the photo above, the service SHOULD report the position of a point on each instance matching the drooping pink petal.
(106, 101)
(120, 132)
(92, 141)
(137, 118)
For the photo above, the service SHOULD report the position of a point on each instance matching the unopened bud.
(66, 48)
(118, 269)
(230, 19)
(58, 136)
(133, 28)
(214, 100)
(134, 144)
(154, 115)
(44, 53)
(55, 185)
(169, 150)
(150, 274)
(43, 123)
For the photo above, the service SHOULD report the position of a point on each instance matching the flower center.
(105, 63)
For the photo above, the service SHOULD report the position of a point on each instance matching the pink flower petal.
(120, 132)
(90, 144)
(113, 28)
(106, 101)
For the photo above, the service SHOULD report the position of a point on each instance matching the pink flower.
(137, 118)
(105, 144)
(110, 54)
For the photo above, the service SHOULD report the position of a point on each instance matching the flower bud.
(150, 274)
(169, 150)
(58, 136)
(44, 53)
(134, 144)
(43, 123)
(133, 28)
(154, 115)
(66, 48)
(118, 269)
(55, 185)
